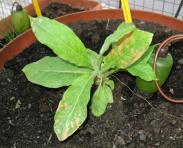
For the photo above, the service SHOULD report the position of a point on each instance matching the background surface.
(166, 7)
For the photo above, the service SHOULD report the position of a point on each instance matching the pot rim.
(22, 41)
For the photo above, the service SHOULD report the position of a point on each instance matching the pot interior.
(27, 110)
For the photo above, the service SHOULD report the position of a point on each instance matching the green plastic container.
(20, 20)
(164, 66)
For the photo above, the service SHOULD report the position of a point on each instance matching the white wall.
(6, 5)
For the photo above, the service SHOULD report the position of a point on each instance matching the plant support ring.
(172, 39)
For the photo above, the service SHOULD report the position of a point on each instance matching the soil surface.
(27, 110)
(53, 10)
(58, 9)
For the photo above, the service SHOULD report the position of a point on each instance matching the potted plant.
(98, 108)
(80, 68)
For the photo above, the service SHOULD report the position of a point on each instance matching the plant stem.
(108, 73)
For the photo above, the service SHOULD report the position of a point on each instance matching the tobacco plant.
(127, 49)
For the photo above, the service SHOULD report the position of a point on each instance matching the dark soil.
(27, 110)
(2, 43)
(53, 10)
(57, 9)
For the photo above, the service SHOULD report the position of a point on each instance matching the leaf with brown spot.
(123, 29)
(127, 50)
(72, 109)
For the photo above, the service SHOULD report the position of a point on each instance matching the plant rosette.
(126, 49)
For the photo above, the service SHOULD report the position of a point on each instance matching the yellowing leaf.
(128, 50)
(72, 109)
(123, 29)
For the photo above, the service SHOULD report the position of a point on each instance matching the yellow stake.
(126, 11)
(37, 8)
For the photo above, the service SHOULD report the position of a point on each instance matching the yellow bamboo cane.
(126, 11)
(37, 8)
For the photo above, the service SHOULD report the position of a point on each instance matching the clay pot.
(26, 39)
(5, 24)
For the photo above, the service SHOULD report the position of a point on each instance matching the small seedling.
(1, 44)
(9, 36)
(79, 68)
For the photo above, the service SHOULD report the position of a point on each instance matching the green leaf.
(61, 39)
(109, 94)
(72, 109)
(102, 96)
(145, 58)
(93, 57)
(143, 70)
(122, 30)
(110, 83)
(108, 89)
(53, 72)
(128, 50)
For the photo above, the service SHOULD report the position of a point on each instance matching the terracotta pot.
(26, 39)
(5, 24)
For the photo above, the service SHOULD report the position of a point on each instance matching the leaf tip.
(96, 113)
(24, 69)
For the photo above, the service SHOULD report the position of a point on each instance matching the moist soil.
(53, 10)
(58, 9)
(27, 110)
